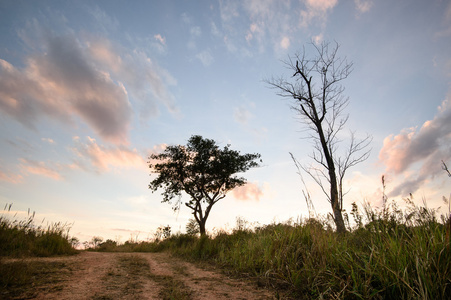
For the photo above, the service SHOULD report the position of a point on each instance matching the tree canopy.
(201, 170)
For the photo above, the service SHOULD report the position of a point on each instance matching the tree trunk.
(335, 202)
(338, 216)
(334, 199)
(202, 227)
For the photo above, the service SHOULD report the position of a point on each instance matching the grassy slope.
(395, 255)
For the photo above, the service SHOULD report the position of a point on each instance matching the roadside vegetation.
(390, 253)
(21, 239)
(387, 253)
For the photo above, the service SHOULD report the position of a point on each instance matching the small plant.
(192, 227)
(163, 232)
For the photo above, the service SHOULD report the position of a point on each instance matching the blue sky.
(88, 90)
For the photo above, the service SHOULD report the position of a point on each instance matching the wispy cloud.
(10, 177)
(48, 140)
(92, 156)
(316, 11)
(144, 79)
(205, 57)
(40, 168)
(271, 22)
(417, 154)
(159, 38)
(363, 6)
(242, 115)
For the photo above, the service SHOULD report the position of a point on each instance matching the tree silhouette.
(316, 89)
(203, 171)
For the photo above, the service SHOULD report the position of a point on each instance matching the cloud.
(205, 57)
(98, 158)
(316, 10)
(159, 43)
(63, 82)
(159, 38)
(417, 153)
(269, 22)
(40, 168)
(285, 43)
(48, 140)
(72, 78)
(242, 115)
(195, 31)
(317, 39)
(11, 178)
(144, 79)
(363, 6)
(249, 191)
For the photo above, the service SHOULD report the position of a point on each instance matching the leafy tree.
(316, 89)
(96, 240)
(202, 170)
(192, 227)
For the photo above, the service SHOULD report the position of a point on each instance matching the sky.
(90, 89)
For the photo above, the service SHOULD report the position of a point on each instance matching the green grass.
(22, 238)
(392, 254)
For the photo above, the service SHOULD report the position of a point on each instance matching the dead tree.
(316, 89)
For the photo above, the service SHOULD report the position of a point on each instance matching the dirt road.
(93, 275)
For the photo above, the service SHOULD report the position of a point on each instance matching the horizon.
(89, 91)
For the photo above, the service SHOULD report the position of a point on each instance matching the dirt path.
(98, 276)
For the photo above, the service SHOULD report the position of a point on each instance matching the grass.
(22, 278)
(388, 254)
(22, 238)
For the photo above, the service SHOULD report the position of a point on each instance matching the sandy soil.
(97, 275)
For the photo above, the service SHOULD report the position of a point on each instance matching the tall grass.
(390, 254)
(20, 238)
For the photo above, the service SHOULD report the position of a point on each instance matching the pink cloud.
(316, 9)
(103, 158)
(159, 38)
(48, 140)
(249, 191)
(40, 168)
(417, 154)
(363, 6)
(62, 82)
(285, 42)
(81, 78)
(11, 178)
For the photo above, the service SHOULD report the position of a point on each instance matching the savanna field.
(387, 253)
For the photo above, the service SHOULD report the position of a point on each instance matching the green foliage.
(201, 170)
(163, 232)
(107, 246)
(24, 238)
(192, 228)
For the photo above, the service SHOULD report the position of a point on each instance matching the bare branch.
(317, 94)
